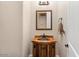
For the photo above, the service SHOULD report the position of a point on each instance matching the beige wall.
(35, 7)
(27, 28)
(62, 12)
(15, 28)
(73, 28)
(69, 11)
(11, 28)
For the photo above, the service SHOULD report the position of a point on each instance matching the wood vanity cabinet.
(44, 48)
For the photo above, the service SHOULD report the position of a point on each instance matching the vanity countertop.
(50, 39)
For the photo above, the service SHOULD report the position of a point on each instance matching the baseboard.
(72, 51)
(31, 55)
(57, 56)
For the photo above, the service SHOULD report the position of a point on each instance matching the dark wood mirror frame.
(50, 20)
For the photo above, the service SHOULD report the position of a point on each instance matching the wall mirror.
(44, 20)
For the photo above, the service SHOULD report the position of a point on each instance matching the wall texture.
(62, 12)
(10, 28)
(27, 28)
(35, 7)
(73, 28)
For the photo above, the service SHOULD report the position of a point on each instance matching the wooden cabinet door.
(52, 50)
(42, 50)
(35, 50)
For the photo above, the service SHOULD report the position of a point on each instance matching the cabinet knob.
(66, 45)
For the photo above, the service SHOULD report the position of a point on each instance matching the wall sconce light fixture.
(43, 2)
